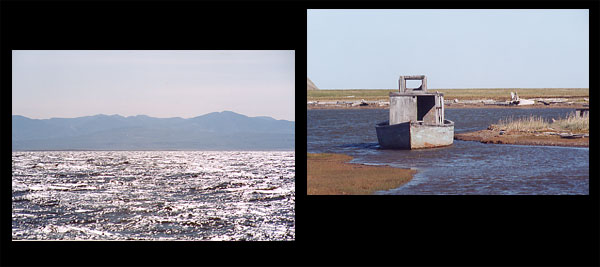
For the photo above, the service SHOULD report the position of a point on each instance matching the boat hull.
(414, 135)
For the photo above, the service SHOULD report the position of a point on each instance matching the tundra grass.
(329, 174)
(572, 123)
(498, 94)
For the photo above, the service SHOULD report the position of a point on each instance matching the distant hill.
(214, 131)
(310, 85)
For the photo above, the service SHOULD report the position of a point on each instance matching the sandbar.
(330, 174)
(489, 136)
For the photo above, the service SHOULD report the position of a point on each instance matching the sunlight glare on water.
(153, 195)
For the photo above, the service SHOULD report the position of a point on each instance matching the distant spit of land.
(455, 98)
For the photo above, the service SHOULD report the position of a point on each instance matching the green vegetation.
(572, 123)
(498, 94)
(329, 174)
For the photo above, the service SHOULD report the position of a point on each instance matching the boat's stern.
(430, 136)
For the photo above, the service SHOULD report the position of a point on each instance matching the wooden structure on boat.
(416, 119)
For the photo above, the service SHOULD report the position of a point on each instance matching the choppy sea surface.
(153, 195)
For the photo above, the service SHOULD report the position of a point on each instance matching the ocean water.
(466, 167)
(153, 195)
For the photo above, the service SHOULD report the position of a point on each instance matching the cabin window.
(413, 84)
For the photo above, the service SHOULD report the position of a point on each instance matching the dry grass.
(498, 94)
(501, 94)
(572, 123)
(349, 95)
(531, 123)
(329, 174)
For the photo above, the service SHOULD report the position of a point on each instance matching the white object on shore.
(514, 99)
(525, 102)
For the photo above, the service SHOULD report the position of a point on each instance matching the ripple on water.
(152, 195)
(463, 168)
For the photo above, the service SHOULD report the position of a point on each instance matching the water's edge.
(466, 167)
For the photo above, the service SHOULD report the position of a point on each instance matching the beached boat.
(416, 119)
(414, 135)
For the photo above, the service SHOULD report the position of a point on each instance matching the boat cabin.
(416, 104)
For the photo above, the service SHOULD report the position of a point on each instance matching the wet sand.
(330, 174)
(521, 138)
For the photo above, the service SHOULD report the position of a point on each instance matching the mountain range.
(214, 131)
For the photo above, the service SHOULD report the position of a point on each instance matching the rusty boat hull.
(415, 135)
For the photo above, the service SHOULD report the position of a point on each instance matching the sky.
(370, 49)
(163, 84)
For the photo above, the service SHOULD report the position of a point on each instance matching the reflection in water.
(463, 168)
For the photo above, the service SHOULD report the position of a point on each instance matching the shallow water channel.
(466, 167)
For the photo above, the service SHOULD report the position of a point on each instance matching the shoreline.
(522, 138)
(450, 106)
(331, 174)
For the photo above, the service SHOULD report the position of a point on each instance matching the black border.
(331, 230)
(461, 230)
(150, 26)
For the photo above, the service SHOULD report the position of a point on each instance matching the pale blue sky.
(369, 49)
(161, 84)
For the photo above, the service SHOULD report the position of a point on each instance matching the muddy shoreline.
(452, 106)
(522, 138)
